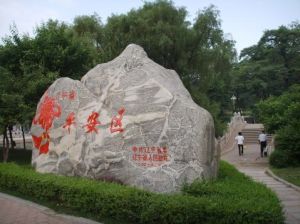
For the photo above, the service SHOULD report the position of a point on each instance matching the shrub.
(281, 115)
(279, 159)
(233, 198)
(237, 197)
(288, 142)
(19, 156)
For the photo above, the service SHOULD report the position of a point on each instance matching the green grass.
(291, 174)
(232, 198)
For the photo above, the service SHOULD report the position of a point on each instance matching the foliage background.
(199, 52)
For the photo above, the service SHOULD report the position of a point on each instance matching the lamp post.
(233, 99)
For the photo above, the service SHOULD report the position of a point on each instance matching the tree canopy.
(267, 80)
(199, 52)
(270, 67)
(281, 115)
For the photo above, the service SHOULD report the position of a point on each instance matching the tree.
(209, 65)
(281, 116)
(159, 27)
(57, 49)
(30, 65)
(200, 54)
(90, 27)
(10, 104)
(269, 67)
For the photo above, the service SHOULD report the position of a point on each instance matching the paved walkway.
(253, 165)
(18, 211)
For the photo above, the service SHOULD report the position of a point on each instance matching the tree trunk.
(5, 145)
(12, 142)
(23, 135)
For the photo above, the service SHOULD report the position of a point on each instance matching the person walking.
(240, 142)
(262, 140)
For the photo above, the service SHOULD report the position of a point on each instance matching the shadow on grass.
(18, 156)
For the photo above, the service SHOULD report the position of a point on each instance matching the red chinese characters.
(62, 95)
(116, 122)
(149, 156)
(48, 110)
(72, 95)
(70, 121)
(42, 142)
(92, 123)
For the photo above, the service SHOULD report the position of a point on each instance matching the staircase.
(251, 133)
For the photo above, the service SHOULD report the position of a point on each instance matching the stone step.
(251, 135)
(255, 136)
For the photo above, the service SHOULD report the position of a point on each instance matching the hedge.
(233, 198)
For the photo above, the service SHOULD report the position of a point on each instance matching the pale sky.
(243, 20)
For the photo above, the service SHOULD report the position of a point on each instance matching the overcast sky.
(244, 20)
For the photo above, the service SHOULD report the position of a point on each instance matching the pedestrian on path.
(240, 142)
(262, 139)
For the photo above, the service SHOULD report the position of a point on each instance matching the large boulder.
(129, 120)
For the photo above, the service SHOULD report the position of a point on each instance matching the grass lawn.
(291, 174)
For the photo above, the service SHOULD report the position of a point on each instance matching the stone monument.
(129, 120)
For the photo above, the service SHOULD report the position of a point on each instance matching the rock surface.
(129, 120)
